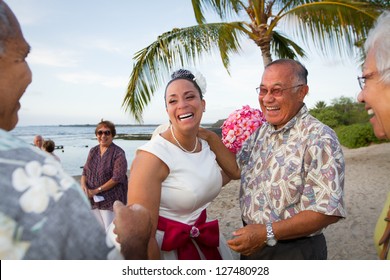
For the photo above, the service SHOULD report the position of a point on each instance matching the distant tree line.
(349, 119)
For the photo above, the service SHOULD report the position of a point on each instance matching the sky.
(82, 57)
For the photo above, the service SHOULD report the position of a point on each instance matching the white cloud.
(93, 78)
(53, 57)
(105, 45)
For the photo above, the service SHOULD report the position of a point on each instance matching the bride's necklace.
(181, 147)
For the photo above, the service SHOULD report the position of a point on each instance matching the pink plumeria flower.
(239, 126)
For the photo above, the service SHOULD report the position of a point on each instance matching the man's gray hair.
(378, 39)
(300, 70)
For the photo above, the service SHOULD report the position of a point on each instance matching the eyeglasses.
(105, 132)
(362, 79)
(276, 92)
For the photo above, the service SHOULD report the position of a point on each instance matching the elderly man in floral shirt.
(291, 170)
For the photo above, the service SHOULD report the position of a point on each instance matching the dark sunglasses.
(106, 132)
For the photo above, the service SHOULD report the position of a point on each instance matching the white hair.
(379, 40)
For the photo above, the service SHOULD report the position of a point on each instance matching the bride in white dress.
(175, 176)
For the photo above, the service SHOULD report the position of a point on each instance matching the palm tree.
(320, 105)
(333, 26)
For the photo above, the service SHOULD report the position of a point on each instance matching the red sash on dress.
(179, 236)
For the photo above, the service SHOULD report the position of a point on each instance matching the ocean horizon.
(73, 142)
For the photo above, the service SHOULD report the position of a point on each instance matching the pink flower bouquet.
(239, 126)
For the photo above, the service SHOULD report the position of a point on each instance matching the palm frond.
(179, 47)
(331, 25)
(223, 8)
(283, 47)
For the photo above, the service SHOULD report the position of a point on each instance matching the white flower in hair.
(201, 82)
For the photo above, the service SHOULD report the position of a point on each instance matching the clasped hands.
(89, 192)
(133, 228)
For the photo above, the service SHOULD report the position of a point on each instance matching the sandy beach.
(366, 187)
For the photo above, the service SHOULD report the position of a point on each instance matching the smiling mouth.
(370, 112)
(185, 116)
(272, 108)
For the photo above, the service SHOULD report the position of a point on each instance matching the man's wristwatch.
(100, 189)
(271, 240)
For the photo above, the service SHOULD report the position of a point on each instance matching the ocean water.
(78, 140)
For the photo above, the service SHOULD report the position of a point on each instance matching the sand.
(366, 188)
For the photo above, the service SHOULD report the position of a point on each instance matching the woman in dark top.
(104, 177)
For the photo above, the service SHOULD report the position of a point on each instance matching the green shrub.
(328, 116)
(357, 135)
(344, 111)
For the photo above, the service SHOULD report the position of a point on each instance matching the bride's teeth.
(370, 111)
(185, 116)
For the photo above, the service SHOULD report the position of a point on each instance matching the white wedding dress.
(193, 182)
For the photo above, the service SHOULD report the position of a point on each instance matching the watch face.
(271, 242)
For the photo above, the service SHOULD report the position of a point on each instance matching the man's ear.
(303, 92)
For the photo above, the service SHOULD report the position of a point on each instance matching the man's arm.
(252, 237)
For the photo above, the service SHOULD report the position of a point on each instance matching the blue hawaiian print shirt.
(43, 212)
